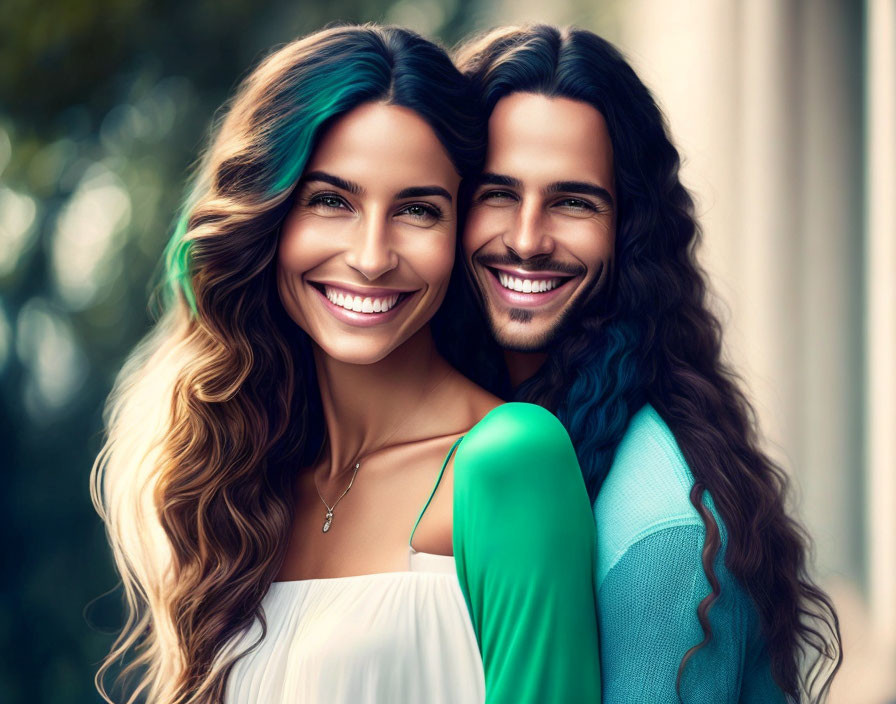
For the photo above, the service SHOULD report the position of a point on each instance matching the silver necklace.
(329, 517)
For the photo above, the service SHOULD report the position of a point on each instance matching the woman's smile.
(361, 306)
(365, 255)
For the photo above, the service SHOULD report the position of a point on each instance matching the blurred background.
(785, 115)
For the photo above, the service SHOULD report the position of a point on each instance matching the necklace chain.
(329, 517)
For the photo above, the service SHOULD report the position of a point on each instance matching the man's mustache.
(542, 263)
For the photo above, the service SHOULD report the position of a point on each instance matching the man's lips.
(527, 274)
(517, 287)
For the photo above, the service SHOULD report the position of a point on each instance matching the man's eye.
(576, 204)
(495, 196)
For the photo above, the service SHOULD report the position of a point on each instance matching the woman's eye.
(326, 201)
(422, 213)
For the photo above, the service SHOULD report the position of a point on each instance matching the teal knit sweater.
(649, 580)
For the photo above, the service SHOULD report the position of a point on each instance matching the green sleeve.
(524, 549)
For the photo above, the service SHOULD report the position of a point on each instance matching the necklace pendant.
(328, 521)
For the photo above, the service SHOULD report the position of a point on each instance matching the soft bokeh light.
(88, 236)
(17, 213)
(5, 338)
(46, 167)
(5, 149)
(47, 348)
(424, 16)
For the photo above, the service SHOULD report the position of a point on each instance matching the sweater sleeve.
(523, 543)
(648, 621)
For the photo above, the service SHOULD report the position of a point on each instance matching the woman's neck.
(368, 405)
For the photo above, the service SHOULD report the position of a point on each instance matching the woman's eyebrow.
(349, 186)
(418, 191)
(356, 189)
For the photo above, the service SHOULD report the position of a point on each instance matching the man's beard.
(561, 326)
(534, 343)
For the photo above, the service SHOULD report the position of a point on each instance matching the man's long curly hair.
(651, 338)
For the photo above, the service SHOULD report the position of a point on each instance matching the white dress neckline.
(427, 562)
(402, 636)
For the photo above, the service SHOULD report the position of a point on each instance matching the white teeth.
(527, 285)
(359, 304)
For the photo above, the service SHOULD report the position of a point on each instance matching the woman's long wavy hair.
(652, 338)
(218, 406)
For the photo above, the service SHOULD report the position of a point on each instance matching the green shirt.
(523, 537)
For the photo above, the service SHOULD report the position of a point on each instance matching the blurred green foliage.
(103, 107)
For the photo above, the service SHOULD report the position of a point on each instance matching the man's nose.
(372, 253)
(528, 235)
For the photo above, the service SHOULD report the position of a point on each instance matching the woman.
(276, 445)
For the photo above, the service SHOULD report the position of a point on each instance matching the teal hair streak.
(177, 267)
(325, 88)
(336, 89)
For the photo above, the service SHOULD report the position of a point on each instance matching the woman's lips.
(360, 317)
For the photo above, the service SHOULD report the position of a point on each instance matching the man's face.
(540, 234)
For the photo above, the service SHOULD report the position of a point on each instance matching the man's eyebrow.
(349, 186)
(419, 191)
(491, 179)
(582, 187)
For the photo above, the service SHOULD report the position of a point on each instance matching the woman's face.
(366, 252)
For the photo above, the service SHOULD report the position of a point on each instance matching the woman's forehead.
(379, 146)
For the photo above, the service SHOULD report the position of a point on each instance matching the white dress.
(383, 638)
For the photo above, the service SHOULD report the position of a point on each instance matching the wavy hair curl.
(652, 338)
(218, 406)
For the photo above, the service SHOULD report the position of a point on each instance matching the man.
(579, 248)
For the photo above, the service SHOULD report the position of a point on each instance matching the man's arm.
(648, 621)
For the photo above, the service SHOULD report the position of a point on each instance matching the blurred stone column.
(830, 467)
(763, 100)
(725, 75)
(880, 329)
(767, 234)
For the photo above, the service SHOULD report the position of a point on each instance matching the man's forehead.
(536, 138)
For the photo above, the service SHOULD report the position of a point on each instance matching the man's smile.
(530, 289)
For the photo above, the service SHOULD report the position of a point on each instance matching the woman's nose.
(372, 254)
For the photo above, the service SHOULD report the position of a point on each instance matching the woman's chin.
(357, 351)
